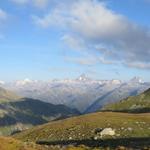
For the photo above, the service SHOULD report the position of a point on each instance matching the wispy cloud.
(89, 60)
(36, 3)
(73, 42)
(3, 18)
(138, 65)
(3, 15)
(92, 21)
(82, 60)
(41, 3)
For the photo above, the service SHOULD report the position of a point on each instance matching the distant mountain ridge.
(125, 90)
(21, 113)
(139, 103)
(82, 93)
(6, 95)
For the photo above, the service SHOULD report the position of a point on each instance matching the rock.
(130, 129)
(99, 133)
(107, 131)
(98, 130)
(95, 138)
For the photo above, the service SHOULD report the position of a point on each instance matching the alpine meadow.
(75, 75)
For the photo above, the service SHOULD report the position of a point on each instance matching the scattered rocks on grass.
(103, 132)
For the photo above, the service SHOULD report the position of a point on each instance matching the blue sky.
(47, 39)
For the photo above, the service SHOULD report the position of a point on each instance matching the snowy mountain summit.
(81, 93)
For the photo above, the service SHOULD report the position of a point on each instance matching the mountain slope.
(83, 93)
(83, 127)
(139, 103)
(22, 114)
(8, 143)
(132, 88)
(6, 95)
(78, 93)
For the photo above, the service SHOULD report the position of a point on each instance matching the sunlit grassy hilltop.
(136, 104)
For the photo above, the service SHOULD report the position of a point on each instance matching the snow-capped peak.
(24, 82)
(136, 80)
(116, 81)
(2, 82)
(83, 77)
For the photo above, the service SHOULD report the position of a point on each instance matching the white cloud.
(92, 21)
(138, 65)
(3, 15)
(82, 60)
(73, 42)
(3, 18)
(89, 59)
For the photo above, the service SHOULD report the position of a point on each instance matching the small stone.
(95, 138)
(121, 148)
(130, 129)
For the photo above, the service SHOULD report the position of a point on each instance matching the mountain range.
(82, 93)
(19, 114)
(6, 95)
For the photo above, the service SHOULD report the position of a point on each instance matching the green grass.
(82, 127)
(7, 143)
(29, 112)
(9, 129)
(137, 104)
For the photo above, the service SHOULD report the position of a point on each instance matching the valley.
(35, 124)
(23, 113)
(82, 93)
(74, 74)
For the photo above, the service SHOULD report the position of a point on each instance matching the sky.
(49, 39)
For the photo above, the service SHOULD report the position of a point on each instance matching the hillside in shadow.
(134, 143)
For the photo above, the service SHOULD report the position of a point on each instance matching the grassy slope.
(7, 143)
(140, 103)
(6, 95)
(82, 127)
(18, 115)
